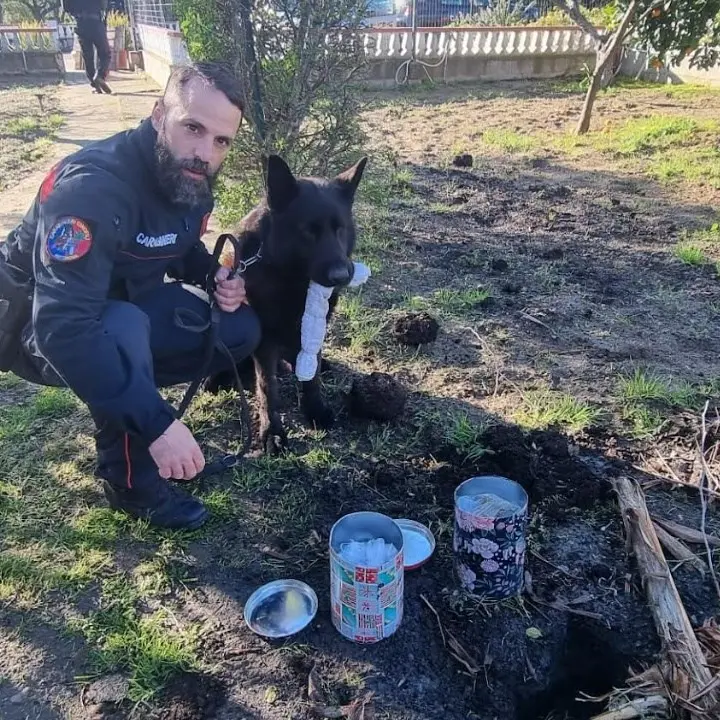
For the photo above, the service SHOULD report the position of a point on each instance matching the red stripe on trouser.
(127, 461)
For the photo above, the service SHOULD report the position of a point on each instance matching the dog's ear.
(349, 179)
(282, 187)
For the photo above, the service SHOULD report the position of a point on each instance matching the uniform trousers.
(148, 337)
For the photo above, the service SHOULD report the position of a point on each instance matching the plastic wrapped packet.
(487, 505)
(369, 553)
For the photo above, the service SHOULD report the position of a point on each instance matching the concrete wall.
(162, 49)
(452, 54)
(636, 64)
(34, 51)
(31, 63)
(385, 73)
(158, 68)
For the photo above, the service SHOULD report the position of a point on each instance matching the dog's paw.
(273, 437)
(319, 414)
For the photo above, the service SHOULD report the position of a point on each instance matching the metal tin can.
(489, 546)
(366, 602)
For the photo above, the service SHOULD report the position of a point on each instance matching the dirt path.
(88, 117)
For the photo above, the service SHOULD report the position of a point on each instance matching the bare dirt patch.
(29, 117)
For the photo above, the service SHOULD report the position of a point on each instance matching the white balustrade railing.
(397, 43)
(390, 43)
(431, 44)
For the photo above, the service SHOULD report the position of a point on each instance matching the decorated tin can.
(366, 599)
(489, 544)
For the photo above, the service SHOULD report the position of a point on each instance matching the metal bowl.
(418, 543)
(281, 608)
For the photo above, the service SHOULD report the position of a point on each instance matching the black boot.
(158, 502)
(100, 85)
(132, 483)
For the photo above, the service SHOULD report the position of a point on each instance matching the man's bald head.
(197, 120)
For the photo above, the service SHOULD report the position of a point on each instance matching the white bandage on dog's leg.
(312, 331)
(314, 322)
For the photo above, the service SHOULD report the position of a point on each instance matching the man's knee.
(241, 332)
(127, 324)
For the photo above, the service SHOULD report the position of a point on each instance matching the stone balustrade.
(463, 53)
(499, 42)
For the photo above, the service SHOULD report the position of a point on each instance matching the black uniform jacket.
(101, 228)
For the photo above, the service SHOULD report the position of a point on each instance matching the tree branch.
(574, 12)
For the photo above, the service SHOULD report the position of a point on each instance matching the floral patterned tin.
(366, 602)
(489, 547)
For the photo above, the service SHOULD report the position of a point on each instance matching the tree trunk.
(593, 90)
(605, 54)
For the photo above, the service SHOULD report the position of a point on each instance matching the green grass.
(690, 254)
(466, 437)
(508, 140)
(443, 209)
(693, 163)
(29, 127)
(451, 302)
(668, 148)
(646, 399)
(710, 235)
(151, 648)
(545, 409)
(647, 134)
(55, 544)
(383, 184)
(361, 325)
(694, 246)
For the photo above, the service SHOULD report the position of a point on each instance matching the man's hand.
(230, 294)
(176, 453)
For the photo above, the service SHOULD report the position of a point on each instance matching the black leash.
(188, 320)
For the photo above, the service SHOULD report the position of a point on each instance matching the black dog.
(304, 230)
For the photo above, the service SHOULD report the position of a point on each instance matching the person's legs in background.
(87, 47)
(92, 35)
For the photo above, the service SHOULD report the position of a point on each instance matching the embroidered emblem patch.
(69, 239)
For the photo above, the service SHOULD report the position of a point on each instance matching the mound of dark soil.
(463, 160)
(415, 328)
(377, 396)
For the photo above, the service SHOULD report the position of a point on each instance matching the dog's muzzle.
(339, 275)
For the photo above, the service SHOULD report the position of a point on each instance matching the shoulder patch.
(69, 239)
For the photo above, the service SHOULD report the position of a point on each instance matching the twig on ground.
(654, 706)
(678, 550)
(454, 647)
(659, 479)
(547, 562)
(669, 469)
(527, 316)
(682, 532)
(705, 477)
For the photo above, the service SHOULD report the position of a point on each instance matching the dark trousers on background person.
(148, 338)
(92, 35)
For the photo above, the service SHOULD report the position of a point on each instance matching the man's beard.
(180, 188)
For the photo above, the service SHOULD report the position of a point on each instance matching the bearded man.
(112, 249)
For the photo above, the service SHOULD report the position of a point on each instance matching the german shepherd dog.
(304, 230)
